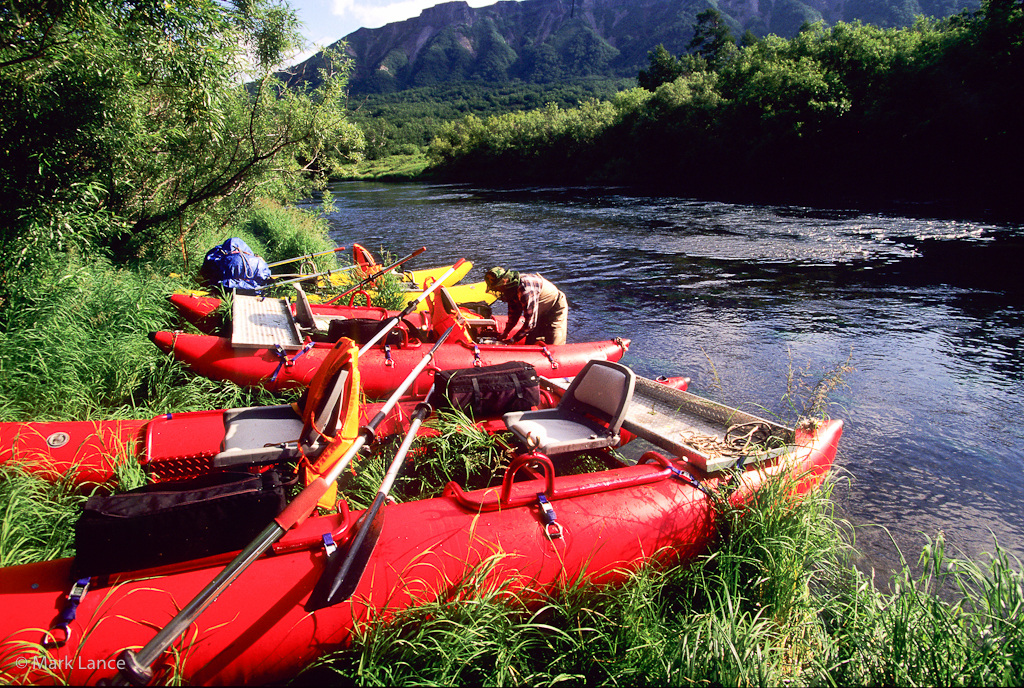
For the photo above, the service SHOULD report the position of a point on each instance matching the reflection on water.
(741, 298)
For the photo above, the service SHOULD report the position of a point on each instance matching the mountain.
(552, 41)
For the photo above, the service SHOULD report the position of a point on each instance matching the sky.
(327, 21)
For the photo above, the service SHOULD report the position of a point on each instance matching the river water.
(751, 301)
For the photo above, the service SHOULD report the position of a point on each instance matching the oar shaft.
(303, 278)
(375, 275)
(346, 576)
(422, 410)
(388, 326)
(411, 378)
(308, 255)
(144, 658)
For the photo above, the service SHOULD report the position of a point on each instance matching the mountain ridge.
(549, 41)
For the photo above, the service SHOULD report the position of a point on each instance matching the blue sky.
(327, 21)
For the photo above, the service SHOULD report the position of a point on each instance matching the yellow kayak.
(419, 279)
(414, 281)
(462, 293)
(413, 278)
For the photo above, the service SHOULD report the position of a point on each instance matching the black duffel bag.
(174, 521)
(487, 392)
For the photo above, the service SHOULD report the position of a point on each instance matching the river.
(751, 300)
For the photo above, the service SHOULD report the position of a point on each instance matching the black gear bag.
(174, 521)
(487, 392)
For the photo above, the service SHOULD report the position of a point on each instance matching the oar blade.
(346, 566)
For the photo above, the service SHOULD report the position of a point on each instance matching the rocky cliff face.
(557, 40)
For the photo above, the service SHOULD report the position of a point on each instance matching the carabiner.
(552, 528)
(74, 598)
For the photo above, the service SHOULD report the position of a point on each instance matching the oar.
(375, 275)
(342, 575)
(409, 308)
(303, 278)
(305, 257)
(137, 667)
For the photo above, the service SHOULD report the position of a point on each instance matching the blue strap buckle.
(688, 479)
(63, 624)
(554, 363)
(285, 362)
(552, 528)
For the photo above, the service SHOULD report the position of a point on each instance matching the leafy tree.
(712, 38)
(748, 39)
(852, 111)
(126, 122)
(664, 69)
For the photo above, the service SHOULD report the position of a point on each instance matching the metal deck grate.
(258, 323)
(667, 417)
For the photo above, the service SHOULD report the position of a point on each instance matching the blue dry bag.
(233, 266)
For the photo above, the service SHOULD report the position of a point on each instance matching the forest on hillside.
(405, 122)
(850, 111)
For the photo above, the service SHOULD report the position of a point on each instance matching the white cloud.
(327, 21)
(376, 13)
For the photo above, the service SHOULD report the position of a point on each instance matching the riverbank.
(777, 600)
(393, 168)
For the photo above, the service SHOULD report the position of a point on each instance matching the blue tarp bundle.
(232, 265)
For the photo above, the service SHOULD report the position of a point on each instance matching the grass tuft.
(39, 517)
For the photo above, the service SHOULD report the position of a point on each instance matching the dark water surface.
(928, 311)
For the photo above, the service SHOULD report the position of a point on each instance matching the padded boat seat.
(303, 311)
(445, 311)
(272, 434)
(589, 415)
(452, 308)
(259, 434)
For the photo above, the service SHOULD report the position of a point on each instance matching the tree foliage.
(712, 39)
(664, 68)
(852, 111)
(407, 121)
(124, 123)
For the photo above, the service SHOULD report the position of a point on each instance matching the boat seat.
(472, 318)
(588, 416)
(445, 311)
(272, 434)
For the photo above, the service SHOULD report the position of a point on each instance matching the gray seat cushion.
(558, 433)
(588, 416)
(249, 431)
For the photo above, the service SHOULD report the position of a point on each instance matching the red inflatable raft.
(382, 368)
(169, 446)
(258, 630)
(198, 309)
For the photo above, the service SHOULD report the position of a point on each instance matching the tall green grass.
(273, 231)
(74, 339)
(777, 602)
(77, 348)
(38, 517)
